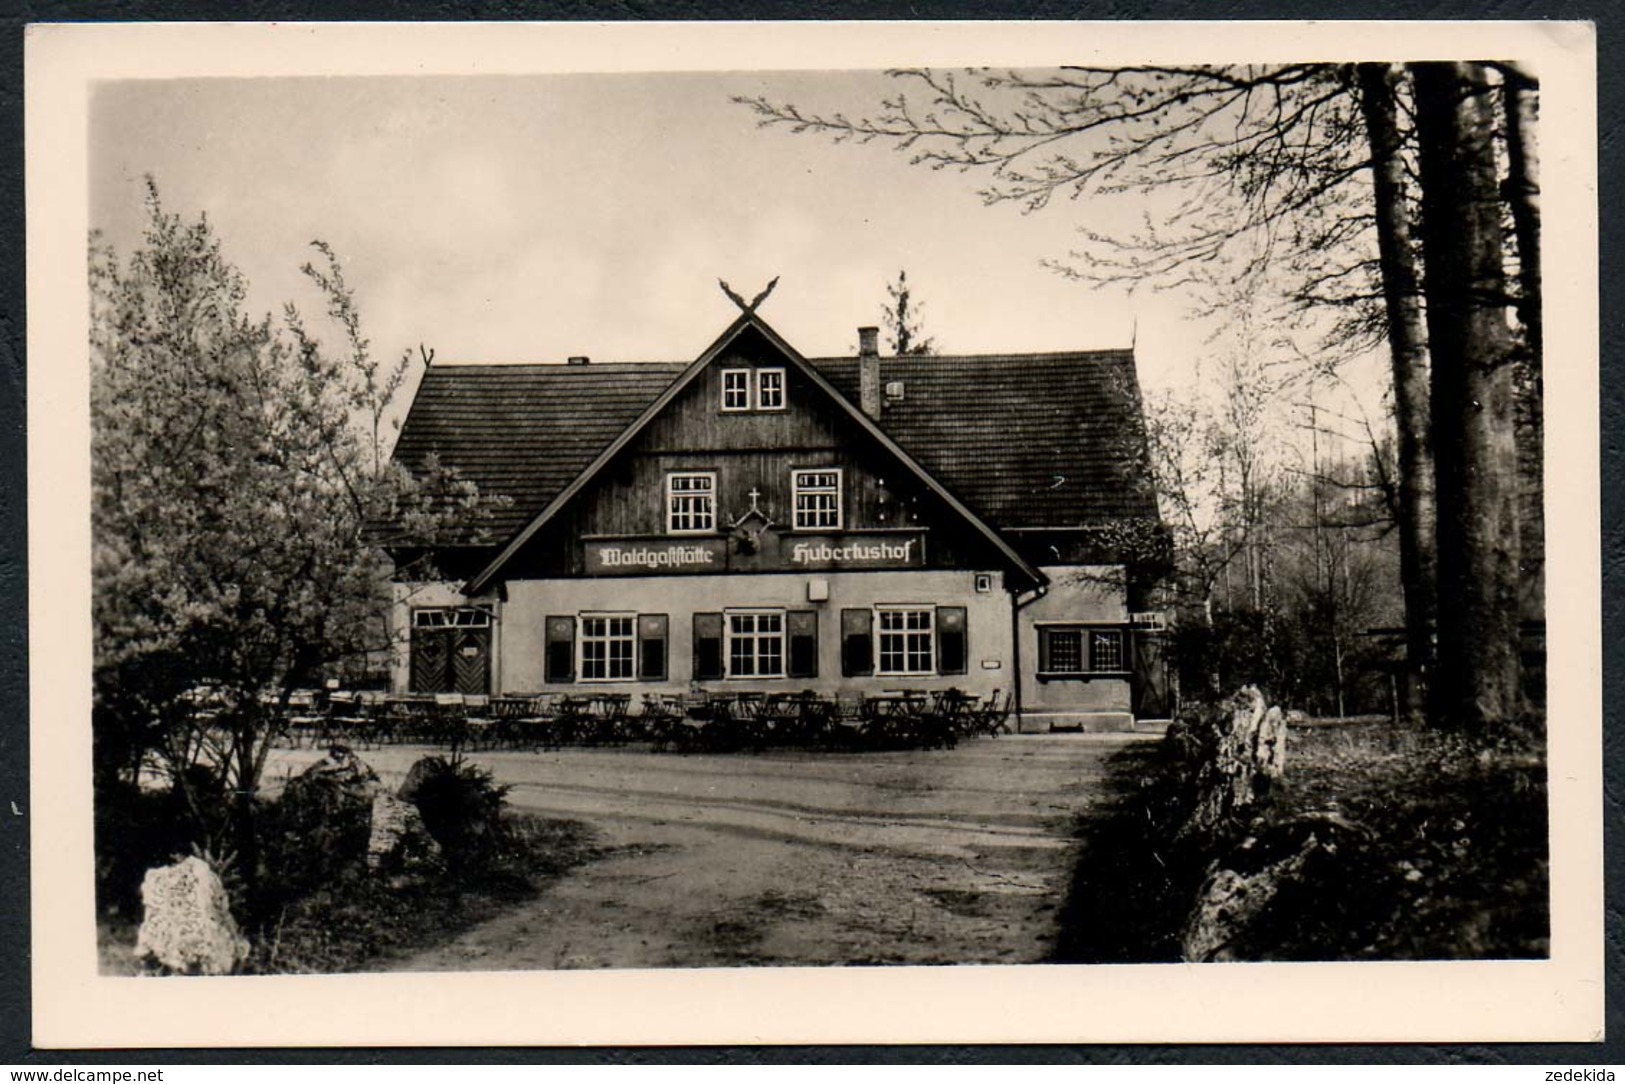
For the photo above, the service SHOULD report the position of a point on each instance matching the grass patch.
(360, 921)
(1451, 862)
(320, 909)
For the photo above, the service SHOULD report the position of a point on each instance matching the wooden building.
(756, 519)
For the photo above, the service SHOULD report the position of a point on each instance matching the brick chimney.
(869, 371)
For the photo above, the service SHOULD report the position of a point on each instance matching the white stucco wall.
(519, 639)
(1085, 595)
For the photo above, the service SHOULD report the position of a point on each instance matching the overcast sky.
(527, 218)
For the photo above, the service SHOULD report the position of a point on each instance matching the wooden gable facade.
(754, 457)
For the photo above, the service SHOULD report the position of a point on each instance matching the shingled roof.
(525, 431)
(1024, 440)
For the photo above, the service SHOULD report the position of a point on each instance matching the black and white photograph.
(839, 517)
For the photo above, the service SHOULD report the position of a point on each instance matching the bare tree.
(1473, 410)
(1308, 171)
(1407, 343)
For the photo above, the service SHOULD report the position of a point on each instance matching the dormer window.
(769, 389)
(736, 389)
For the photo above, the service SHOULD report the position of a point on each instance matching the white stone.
(186, 924)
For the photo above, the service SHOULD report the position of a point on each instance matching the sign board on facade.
(863, 552)
(655, 558)
(771, 551)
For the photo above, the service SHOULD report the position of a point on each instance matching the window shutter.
(559, 663)
(707, 646)
(1044, 651)
(803, 630)
(857, 643)
(951, 640)
(652, 647)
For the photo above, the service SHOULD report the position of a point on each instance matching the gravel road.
(791, 858)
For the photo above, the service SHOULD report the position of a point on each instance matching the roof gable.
(749, 322)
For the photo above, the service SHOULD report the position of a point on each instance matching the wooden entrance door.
(471, 660)
(451, 651)
(1149, 688)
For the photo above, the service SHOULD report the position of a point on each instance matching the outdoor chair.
(849, 725)
(659, 720)
(994, 715)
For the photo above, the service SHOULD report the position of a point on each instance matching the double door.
(451, 652)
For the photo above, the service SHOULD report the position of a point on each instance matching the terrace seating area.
(745, 721)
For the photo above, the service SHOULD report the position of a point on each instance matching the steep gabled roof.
(525, 431)
(1011, 440)
(747, 320)
(1027, 440)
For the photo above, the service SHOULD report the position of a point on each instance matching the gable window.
(905, 640)
(607, 647)
(691, 502)
(816, 495)
(756, 643)
(769, 389)
(736, 389)
(1080, 650)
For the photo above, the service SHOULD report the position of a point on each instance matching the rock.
(1230, 902)
(187, 925)
(1269, 746)
(1224, 774)
(423, 769)
(338, 782)
(1251, 877)
(398, 839)
(341, 771)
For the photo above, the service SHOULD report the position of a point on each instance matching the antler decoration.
(748, 307)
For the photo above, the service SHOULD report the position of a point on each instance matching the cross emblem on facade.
(753, 494)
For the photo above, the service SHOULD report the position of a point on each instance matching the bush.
(317, 830)
(462, 807)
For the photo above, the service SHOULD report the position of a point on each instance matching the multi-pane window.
(1081, 651)
(817, 495)
(691, 503)
(607, 645)
(756, 644)
(905, 641)
(769, 389)
(753, 389)
(736, 389)
(467, 618)
(1066, 651)
(1106, 650)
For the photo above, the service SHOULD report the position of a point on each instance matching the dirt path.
(794, 858)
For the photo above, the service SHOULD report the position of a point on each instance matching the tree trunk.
(1523, 195)
(1474, 434)
(1407, 344)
